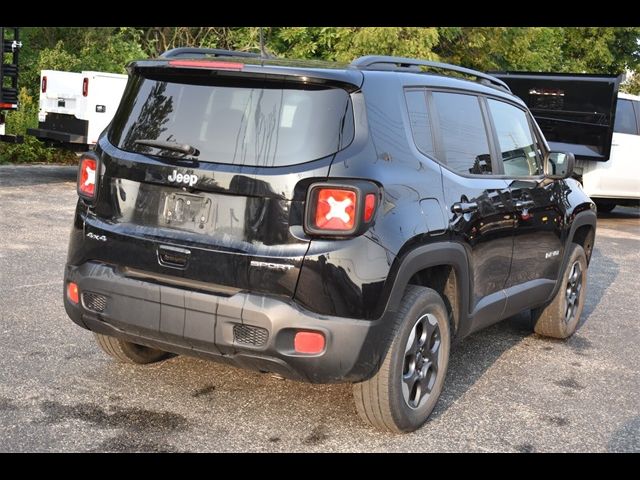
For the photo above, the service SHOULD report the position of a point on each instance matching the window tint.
(516, 142)
(463, 133)
(625, 118)
(250, 123)
(420, 121)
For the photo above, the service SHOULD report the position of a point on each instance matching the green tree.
(344, 44)
(632, 85)
(568, 49)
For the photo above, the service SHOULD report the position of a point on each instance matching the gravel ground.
(507, 389)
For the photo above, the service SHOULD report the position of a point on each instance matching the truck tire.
(402, 394)
(605, 207)
(128, 352)
(560, 318)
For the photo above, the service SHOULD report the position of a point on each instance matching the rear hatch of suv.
(204, 169)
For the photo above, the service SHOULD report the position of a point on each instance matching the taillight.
(44, 84)
(85, 87)
(88, 177)
(335, 209)
(369, 206)
(340, 209)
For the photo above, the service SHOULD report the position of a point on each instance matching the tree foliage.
(572, 49)
(632, 85)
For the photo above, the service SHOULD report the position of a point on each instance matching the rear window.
(625, 118)
(255, 123)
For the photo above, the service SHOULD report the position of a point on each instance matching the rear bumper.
(247, 330)
(52, 135)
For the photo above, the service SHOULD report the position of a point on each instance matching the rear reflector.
(206, 64)
(72, 292)
(308, 342)
(44, 84)
(87, 177)
(85, 87)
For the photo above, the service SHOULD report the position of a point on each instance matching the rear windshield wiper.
(176, 147)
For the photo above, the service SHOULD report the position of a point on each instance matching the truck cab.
(617, 181)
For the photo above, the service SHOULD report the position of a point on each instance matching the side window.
(463, 133)
(625, 118)
(515, 140)
(420, 121)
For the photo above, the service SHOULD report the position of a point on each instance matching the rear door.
(103, 94)
(60, 92)
(478, 201)
(229, 217)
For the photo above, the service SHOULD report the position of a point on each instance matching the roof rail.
(204, 52)
(379, 62)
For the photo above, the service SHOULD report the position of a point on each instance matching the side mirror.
(559, 165)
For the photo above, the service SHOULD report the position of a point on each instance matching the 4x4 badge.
(185, 178)
(102, 238)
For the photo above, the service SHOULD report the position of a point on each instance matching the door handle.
(464, 207)
(522, 204)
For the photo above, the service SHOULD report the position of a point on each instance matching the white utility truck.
(75, 108)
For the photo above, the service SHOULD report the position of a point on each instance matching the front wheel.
(560, 318)
(402, 394)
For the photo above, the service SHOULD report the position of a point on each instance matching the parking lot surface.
(507, 389)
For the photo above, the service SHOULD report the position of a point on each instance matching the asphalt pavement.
(507, 389)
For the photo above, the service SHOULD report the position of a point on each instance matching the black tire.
(384, 400)
(605, 207)
(128, 352)
(560, 318)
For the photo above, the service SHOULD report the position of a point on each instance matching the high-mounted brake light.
(85, 87)
(206, 64)
(87, 177)
(44, 84)
(343, 209)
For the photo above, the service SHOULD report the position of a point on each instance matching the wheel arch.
(582, 232)
(583, 229)
(444, 267)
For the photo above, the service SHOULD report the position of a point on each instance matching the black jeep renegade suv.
(329, 223)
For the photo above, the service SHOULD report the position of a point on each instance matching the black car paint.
(363, 278)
